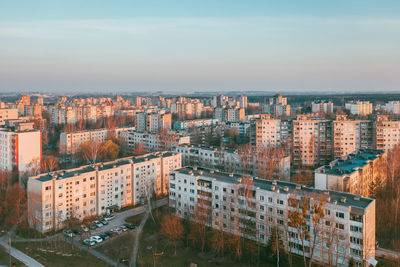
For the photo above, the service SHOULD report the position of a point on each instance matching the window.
(340, 215)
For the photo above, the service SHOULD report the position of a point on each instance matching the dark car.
(130, 226)
(104, 221)
(92, 226)
(104, 236)
(76, 231)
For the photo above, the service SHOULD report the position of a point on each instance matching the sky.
(209, 45)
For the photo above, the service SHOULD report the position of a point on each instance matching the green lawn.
(62, 256)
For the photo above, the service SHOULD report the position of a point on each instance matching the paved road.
(22, 257)
(121, 216)
(136, 245)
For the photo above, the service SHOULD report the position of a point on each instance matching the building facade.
(94, 189)
(357, 173)
(256, 208)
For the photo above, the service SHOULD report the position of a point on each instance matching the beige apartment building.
(254, 207)
(70, 142)
(354, 173)
(351, 135)
(271, 132)
(95, 189)
(386, 133)
(312, 141)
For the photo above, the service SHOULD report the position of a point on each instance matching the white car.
(84, 228)
(88, 242)
(98, 224)
(68, 233)
(96, 239)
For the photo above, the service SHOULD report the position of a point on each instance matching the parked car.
(98, 224)
(76, 231)
(68, 233)
(92, 226)
(84, 228)
(89, 242)
(104, 221)
(109, 217)
(96, 239)
(130, 226)
(104, 236)
(117, 230)
(124, 229)
(109, 233)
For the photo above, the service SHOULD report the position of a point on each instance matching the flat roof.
(68, 173)
(350, 163)
(351, 199)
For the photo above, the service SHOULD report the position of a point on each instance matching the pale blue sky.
(199, 45)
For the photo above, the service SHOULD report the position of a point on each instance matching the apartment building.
(153, 121)
(187, 108)
(393, 107)
(386, 133)
(254, 208)
(230, 160)
(351, 135)
(20, 147)
(94, 189)
(8, 114)
(151, 141)
(361, 108)
(70, 142)
(271, 132)
(354, 173)
(277, 106)
(312, 141)
(324, 106)
(182, 125)
(229, 114)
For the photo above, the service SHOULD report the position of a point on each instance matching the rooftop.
(341, 198)
(350, 163)
(68, 173)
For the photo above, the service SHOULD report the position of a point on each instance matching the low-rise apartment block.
(257, 208)
(152, 141)
(94, 189)
(70, 142)
(355, 173)
(231, 160)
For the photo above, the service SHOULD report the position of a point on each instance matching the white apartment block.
(95, 189)
(353, 173)
(20, 149)
(386, 133)
(362, 108)
(70, 142)
(351, 135)
(322, 106)
(150, 141)
(271, 132)
(8, 114)
(347, 229)
(393, 107)
(228, 160)
(182, 125)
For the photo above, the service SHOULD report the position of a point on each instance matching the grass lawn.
(63, 256)
(119, 247)
(382, 262)
(4, 258)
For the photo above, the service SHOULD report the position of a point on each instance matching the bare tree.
(90, 151)
(172, 228)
